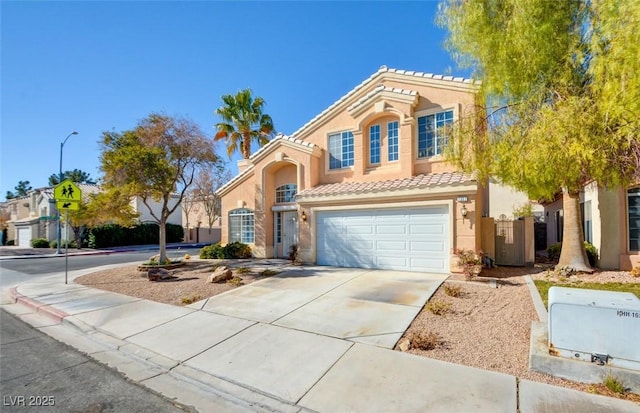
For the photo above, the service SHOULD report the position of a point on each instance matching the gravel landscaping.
(486, 326)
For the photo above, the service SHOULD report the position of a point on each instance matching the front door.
(289, 231)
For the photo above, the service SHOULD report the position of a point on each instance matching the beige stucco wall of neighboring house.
(627, 259)
(145, 215)
(552, 221)
(504, 199)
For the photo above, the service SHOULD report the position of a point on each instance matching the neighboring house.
(196, 224)
(34, 216)
(145, 215)
(610, 221)
(364, 183)
(503, 200)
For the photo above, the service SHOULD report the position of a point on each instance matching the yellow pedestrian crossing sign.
(67, 196)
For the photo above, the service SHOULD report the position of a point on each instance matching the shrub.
(11, 242)
(592, 253)
(614, 384)
(233, 250)
(113, 235)
(438, 307)
(237, 281)
(72, 244)
(635, 272)
(269, 273)
(452, 290)
(236, 250)
(470, 261)
(425, 340)
(190, 300)
(213, 251)
(293, 252)
(553, 251)
(242, 270)
(40, 243)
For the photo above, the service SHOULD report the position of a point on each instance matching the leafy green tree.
(78, 176)
(243, 121)
(153, 161)
(559, 102)
(110, 207)
(21, 190)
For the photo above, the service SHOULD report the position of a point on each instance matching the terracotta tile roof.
(280, 137)
(415, 182)
(380, 89)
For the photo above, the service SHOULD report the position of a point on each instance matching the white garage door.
(24, 237)
(410, 239)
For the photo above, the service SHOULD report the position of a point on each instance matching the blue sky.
(96, 66)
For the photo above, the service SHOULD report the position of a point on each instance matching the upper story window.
(374, 144)
(392, 142)
(633, 203)
(241, 225)
(286, 193)
(433, 134)
(341, 150)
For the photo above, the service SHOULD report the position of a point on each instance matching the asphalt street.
(38, 373)
(14, 271)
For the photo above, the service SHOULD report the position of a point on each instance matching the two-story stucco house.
(364, 183)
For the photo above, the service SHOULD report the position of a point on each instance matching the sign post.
(68, 197)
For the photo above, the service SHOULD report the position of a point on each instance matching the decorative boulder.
(158, 274)
(221, 275)
(154, 258)
(404, 344)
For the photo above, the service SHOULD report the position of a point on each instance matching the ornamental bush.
(233, 250)
(40, 243)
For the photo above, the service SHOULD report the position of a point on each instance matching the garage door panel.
(391, 245)
(426, 246)
(430, 229)
(386, 229)
(395, 238)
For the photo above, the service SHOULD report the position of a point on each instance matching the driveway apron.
(366, 306)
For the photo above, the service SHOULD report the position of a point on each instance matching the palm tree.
(243, 122)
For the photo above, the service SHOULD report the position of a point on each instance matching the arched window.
(241, 225)
(286, 193)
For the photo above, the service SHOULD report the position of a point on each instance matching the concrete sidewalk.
(294, 342)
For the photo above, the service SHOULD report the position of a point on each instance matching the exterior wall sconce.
(303, 216)
(464, 212)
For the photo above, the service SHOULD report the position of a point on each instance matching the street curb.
(51, 312)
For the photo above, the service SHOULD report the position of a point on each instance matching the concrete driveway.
(366, 306)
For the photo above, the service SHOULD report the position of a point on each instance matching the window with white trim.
(374, 144)
(633, 216)
(241, 225)
(392, 141)
(433, 133)
(286, 193)
(341, 150)
(587, 226)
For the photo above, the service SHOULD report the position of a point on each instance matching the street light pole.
(59, 234)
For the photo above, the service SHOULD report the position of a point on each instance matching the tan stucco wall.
(279, 165)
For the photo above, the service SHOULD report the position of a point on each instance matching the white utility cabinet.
(602, 327)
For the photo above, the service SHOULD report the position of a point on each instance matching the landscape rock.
(158, 274)
(404, 344)
(221, 274)
(154, 258)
